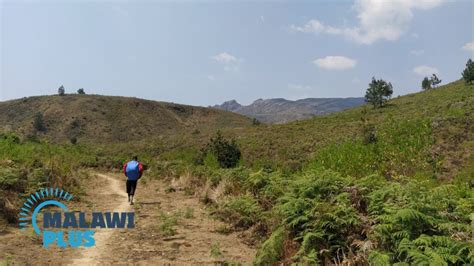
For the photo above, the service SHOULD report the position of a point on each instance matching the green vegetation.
(61, 91)
(271, 251)
(26, 166)
(216, 250)
(7, 260)
(188, 213)
(429, 83)
(38, 122)
(368, 185)
(382, 186)
(426, 84)
(378, 93)
(468, 73)
(224, 151)
(168, 223)
(435, 81)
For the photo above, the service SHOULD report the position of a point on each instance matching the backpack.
(133, 170)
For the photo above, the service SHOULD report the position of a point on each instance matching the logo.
(65, 228)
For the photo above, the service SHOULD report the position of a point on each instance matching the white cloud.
(211, 77)
(469, 46)
(312, 26)
(417, 52)
(230, 62)
(335, 63)
(299, 87)
(224, 58)
(378, 20)
(425, 70)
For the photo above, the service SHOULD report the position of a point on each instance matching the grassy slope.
(106, 119)
(449, 109)
(356, 203)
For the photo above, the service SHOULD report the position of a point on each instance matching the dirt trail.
(93, 255)
(170, 229)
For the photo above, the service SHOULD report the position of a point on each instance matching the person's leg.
(133, 185)
(129, 188)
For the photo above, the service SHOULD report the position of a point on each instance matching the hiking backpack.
(133, 170)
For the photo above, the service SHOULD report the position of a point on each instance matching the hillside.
(94, 118)
(278, 110)
(386, 186)
(448, 111)
(362, 186)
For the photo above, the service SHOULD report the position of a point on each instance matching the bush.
(38, 122)
(255, 122)
(271, 251)
(242, 212)
(227, 152)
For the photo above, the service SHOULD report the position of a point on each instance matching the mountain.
(279, 110)
(97, 118)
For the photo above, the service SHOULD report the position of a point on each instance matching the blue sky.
(203, 53)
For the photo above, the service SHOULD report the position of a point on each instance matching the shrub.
(242, 212)
(271, 251)
(10, 179)
(81, 91)
(167, 224)
(73, 140)
(38, 122)
(226, 151)
(255, 122)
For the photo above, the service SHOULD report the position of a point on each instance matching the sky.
(207, 52)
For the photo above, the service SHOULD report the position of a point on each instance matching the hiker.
(133, 170)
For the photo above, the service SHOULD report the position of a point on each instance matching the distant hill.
(278, 110)
(94, 118)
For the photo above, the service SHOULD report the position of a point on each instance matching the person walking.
(133, 170)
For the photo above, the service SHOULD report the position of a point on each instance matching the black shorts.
(131, 186)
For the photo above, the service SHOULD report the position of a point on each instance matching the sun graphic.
(36, 201)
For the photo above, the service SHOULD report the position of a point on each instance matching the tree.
(81, 91)
(61, 91)
(468, 73)
(379, 92)
(426, 84)
(38, 122)
(435, 80)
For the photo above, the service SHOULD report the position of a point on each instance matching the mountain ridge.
(280, 110)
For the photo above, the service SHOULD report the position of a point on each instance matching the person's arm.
(140, 169)
(125, 169)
